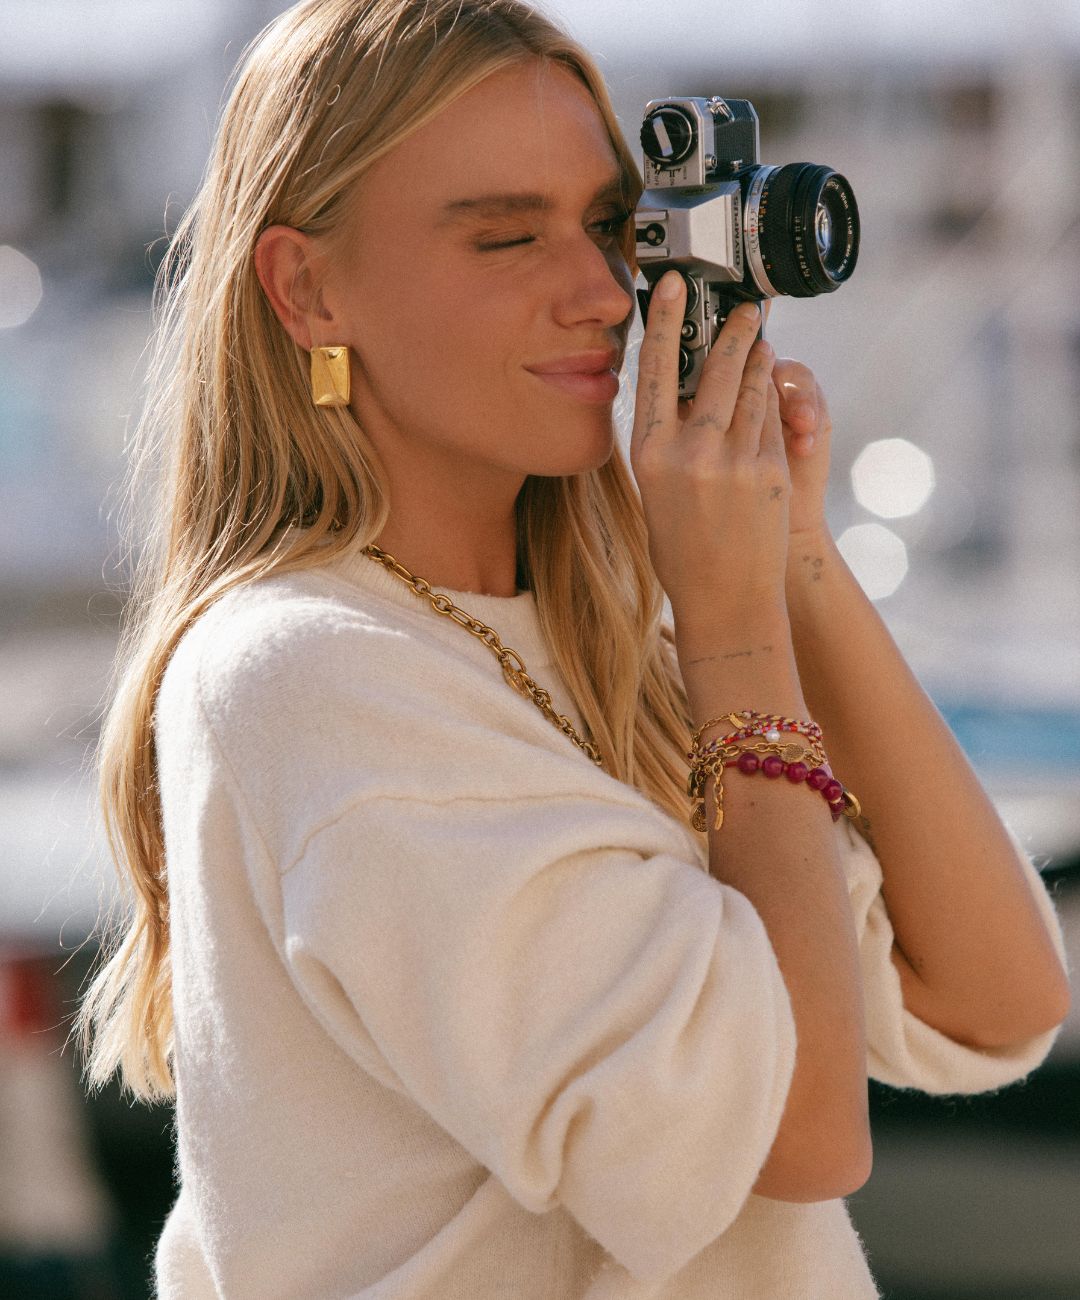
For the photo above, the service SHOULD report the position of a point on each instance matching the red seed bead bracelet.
(749, 722)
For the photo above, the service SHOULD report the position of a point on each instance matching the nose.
(595, 286)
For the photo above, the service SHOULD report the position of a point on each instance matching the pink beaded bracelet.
(842, 803)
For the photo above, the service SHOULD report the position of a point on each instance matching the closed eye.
(508, 243)
(608, 228)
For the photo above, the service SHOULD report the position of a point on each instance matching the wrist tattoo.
(817, 565)
(729, 654)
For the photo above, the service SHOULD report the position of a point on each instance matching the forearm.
(961, 908)
(777, 845)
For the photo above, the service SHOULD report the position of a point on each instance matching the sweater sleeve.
(487, 923)
(601, 1025)
(902, 1050)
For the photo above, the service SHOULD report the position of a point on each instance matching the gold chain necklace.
(511, 662)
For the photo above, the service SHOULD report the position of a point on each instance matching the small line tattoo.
(730, 654)
(706, 420)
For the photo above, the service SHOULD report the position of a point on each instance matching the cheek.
(436, 328)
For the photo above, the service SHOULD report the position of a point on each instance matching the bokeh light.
(876, 556)
(20, 287)
(892, 478)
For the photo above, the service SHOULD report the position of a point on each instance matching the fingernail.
(668, 287)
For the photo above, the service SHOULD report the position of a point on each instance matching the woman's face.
(483, 248)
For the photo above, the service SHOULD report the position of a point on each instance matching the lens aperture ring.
(754, 210)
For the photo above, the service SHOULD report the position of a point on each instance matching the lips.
(596, 362)
(587, 376)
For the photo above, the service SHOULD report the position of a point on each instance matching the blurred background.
(951, 362)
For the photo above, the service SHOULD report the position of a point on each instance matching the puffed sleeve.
(486, 922)
(902, 1050)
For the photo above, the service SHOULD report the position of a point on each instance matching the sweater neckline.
(515, 619)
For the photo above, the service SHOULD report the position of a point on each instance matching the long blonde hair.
(234, 449)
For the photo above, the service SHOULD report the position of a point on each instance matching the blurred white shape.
(69, 45)
(785, 34)
(20, 287)
(876, 556)
(892, 477)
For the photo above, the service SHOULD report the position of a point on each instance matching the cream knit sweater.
(459, 1015)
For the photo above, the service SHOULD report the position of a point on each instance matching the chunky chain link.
(510, 661)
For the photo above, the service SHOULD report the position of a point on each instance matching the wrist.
(810, 552)
(807, 541)
(725, 628)
(746, 664)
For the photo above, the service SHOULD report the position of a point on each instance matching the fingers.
(798, 393)
(772, 429)
(719, 387)
(756, 392)
(658, 363)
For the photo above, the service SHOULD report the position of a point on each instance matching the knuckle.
(750, 398)
(652, 363)
(744, 474)
(702, 468)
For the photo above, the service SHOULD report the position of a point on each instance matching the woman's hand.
(713, 474)
(804, 415)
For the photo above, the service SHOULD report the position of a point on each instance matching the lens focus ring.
(808, 229)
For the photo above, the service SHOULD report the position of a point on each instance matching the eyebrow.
(493, 205)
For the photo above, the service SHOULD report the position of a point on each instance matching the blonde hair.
(236, 450)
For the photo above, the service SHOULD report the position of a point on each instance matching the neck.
(478, 556)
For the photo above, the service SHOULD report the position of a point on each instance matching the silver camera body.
(736, 230)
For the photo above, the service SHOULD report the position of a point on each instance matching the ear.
(287, 263)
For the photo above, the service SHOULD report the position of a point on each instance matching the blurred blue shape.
(1003, 739)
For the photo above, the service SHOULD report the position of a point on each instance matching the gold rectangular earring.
(330, 376)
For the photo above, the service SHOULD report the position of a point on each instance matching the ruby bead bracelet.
(842, 803)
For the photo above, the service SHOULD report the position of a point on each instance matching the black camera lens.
(686, 363)
(807, 225)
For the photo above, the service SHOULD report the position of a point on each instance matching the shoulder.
(322, 698)
(307, 673)
(271, 641)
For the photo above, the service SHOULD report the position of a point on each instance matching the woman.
(453, 999)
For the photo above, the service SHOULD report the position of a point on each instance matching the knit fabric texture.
(457, 1014)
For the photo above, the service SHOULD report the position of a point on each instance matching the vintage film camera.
(736, 230)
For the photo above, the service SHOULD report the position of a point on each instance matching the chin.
(569, 450)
